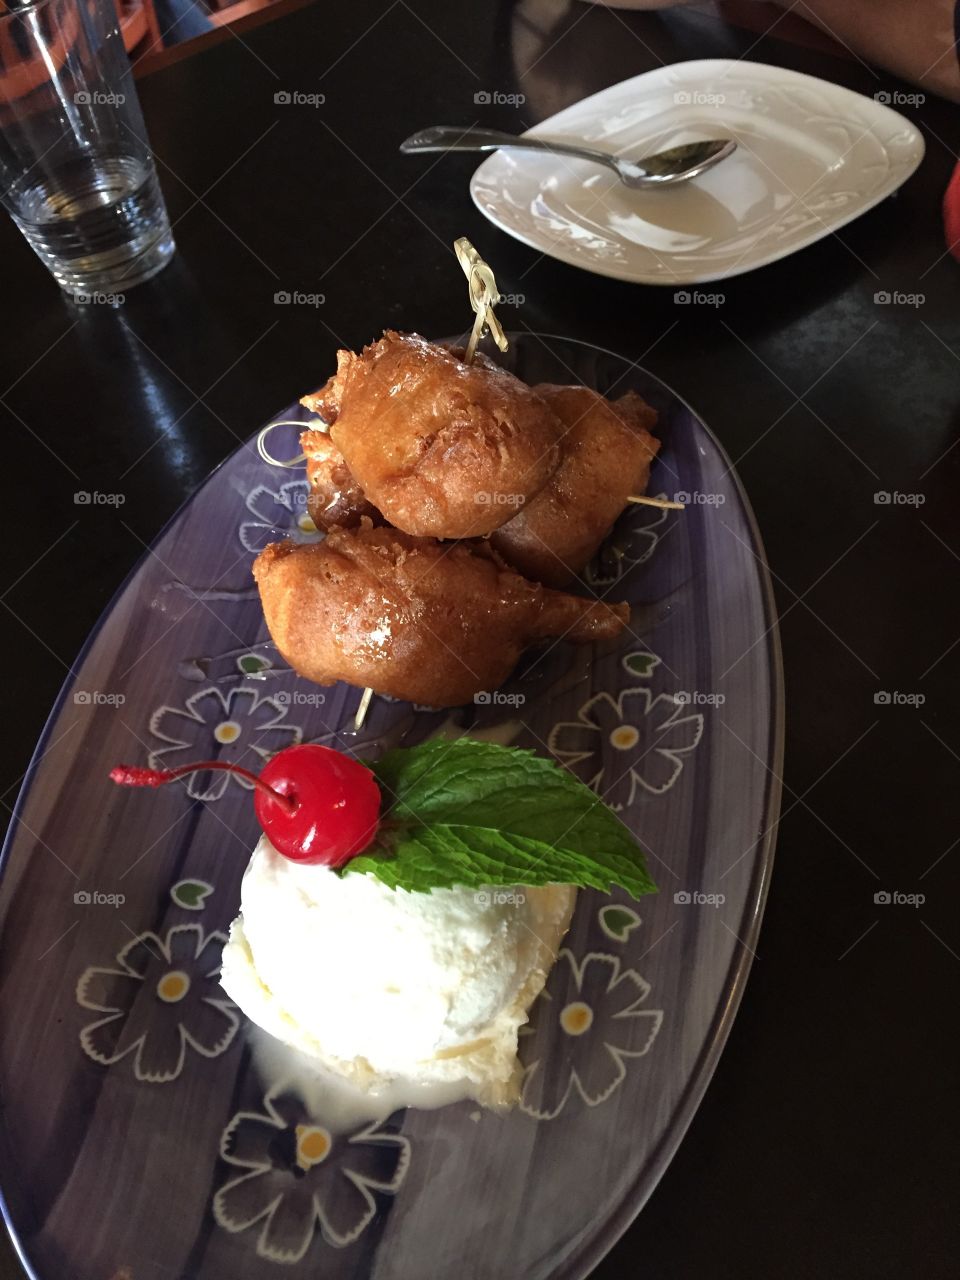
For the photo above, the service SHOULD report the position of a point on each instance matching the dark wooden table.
(826, 1143)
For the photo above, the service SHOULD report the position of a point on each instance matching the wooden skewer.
(365, 700)
(362, 709)
(267, 456)
(664, 503)
(483, 294)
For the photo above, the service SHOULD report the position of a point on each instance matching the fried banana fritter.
(605, 454)
(442, 448)
(411, 617)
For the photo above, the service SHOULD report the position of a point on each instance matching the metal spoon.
(677, 164)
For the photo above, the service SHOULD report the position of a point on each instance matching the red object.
(951, 214)
(337, 805)
(314, 804)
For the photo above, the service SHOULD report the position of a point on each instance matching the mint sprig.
(473, 814)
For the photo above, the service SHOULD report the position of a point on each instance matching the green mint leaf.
(474, 814)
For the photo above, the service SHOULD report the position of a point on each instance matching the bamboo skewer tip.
(362, 709)
(665, 504)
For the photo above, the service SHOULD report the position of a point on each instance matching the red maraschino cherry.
(314, 804)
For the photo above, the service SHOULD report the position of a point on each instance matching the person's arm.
(915, 39)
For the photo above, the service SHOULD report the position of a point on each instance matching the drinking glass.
(76, 169)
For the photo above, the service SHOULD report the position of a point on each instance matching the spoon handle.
(445, 137)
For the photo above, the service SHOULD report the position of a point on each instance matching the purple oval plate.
(141, 1139)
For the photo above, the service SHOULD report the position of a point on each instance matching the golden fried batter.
(605, 455)
(325, 401)
(335, 499)
(441, 448)
(411, 617)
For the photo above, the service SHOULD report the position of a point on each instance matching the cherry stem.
(131, 775)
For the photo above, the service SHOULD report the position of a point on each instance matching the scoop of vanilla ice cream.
(381, 984)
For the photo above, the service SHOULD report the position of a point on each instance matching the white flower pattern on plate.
(585, 1027)
(242, 726)
(301, 1176)
(641, 738)
(188, 1008)
(633, 541)
(278, 513)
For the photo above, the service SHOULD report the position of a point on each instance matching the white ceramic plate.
(812, 157)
